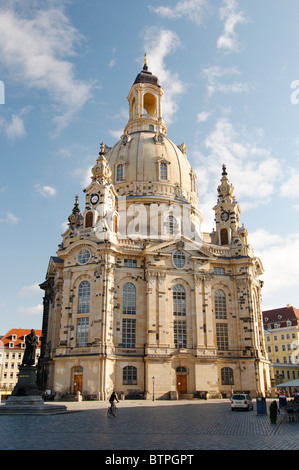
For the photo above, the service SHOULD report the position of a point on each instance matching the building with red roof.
(284, 316)
(12, 348)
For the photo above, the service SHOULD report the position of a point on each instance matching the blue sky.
(227, 68)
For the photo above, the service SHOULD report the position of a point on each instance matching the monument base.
(25, 397)
(27, 383)
(29, 405)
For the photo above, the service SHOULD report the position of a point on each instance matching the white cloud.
(45, 191)
(261, 239)
(9, 218)
(192, 9)
(116, 134)
(290, 187)
(214, 76)
(12, 218)
(15, 128)
(28, 291)
(159, 43)
(279, 256)
(84, 174)
(64, 226)
(231, 17)
(33, 48)
(203, 116)
(34, 310)
(251, 168)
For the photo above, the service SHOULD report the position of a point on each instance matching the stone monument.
(25, 397)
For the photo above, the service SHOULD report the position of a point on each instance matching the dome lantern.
(145, 101)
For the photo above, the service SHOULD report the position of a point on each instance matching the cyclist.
(113, 397)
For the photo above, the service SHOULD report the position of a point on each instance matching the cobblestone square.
(147, 425)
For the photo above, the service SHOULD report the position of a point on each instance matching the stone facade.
(138, 299)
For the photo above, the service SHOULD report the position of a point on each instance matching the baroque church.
(138, 299)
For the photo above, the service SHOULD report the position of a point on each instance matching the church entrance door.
(181, 381)
(78, 379)
(78, 383)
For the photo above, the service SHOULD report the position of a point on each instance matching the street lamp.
(153, 388)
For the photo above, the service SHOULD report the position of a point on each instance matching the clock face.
(94, 198)
(224, 216)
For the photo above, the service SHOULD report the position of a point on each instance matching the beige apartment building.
(137, 298)
(282, 343)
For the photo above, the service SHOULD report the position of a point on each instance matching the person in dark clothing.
(113, 397)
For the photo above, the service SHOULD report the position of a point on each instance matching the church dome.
(144, 163)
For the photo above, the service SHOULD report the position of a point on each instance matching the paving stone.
(145, 425)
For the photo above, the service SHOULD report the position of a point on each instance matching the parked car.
(241, 401)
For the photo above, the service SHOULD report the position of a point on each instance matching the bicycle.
(112, 411)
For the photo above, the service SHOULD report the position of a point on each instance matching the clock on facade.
(94, 198)
(224, 216)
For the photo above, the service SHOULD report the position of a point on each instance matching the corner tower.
(227, 217)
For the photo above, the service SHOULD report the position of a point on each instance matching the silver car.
(241, 401)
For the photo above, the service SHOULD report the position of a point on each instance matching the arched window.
(84, 297)
(129, 375)
(169, 225)
(179, 259)
(149, 103)
(163, 171)
(220, 305)
(179, 300)
(89, 219)
(227, 376)
(223, 236)
(120, 172)
(129, 299)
